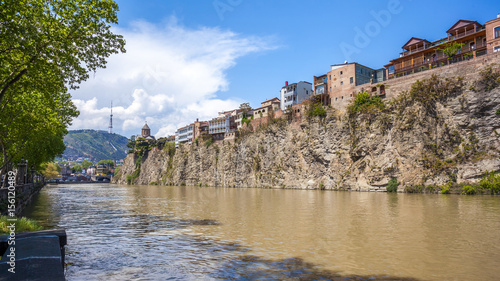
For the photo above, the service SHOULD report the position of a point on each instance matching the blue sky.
(190, 59)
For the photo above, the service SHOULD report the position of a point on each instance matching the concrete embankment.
(37, 255)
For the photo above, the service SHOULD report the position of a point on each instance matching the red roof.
(413, 41)
(462, 23)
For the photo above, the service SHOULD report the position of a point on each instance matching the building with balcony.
(343, 78)
(294, 93)
(240, 116)
(224, 123)
(267, 107)
(184, 135)
(420, 54)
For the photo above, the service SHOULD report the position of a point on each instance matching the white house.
(294, 93)
(184, 134)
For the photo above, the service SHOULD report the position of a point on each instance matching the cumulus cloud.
(169, 76)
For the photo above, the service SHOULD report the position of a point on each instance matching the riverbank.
(442, 134)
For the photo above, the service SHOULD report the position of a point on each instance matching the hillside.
(97, 145)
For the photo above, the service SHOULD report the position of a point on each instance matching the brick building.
(343, 78)
(493, 35)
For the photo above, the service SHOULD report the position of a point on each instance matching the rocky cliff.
(440, 131)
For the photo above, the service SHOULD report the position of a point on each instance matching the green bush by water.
(392, 185)
(22, 225)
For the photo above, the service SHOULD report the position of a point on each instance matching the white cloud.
(169, 76)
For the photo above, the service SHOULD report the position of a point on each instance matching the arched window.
(497, 32)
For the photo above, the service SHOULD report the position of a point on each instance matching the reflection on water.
(156, 232)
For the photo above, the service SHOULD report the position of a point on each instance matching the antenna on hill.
(110, 127)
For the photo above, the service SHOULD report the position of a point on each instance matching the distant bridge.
(101, 178)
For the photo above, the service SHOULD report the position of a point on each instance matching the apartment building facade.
(184, 135)
(294, 93)
(224, 123)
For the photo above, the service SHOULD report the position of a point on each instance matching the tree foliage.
(86, 164)
(47, 46)
(450, 49)
(50, 170)
(245, 107)
(111, 163)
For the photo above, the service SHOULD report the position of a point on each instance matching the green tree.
(450, 49)
(111, 163)
(77, 169)
(50, 170)
(86, 164)
(47, 46)
(245, 107)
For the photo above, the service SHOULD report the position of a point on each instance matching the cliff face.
(451, 137)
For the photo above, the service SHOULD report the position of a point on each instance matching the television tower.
(110, 127)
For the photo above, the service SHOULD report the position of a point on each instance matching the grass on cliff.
(22, 225)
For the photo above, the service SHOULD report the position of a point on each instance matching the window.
(341, 82)
(497, 32)
(341, 73)
(496, 49)
(352, 80)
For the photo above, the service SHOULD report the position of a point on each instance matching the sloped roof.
(461, 23)
(273, 99)
(146, 127)
(413, 41)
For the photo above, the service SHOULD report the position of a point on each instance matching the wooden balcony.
(445, 40)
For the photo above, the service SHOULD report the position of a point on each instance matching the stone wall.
(24, 194)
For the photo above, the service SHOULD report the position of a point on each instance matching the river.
(118, 232)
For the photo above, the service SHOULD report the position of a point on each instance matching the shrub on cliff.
(392, 185)
(429, 91)
(363, 102)
(489, 79)
(314, 108)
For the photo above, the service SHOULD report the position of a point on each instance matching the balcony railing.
(458, 36)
